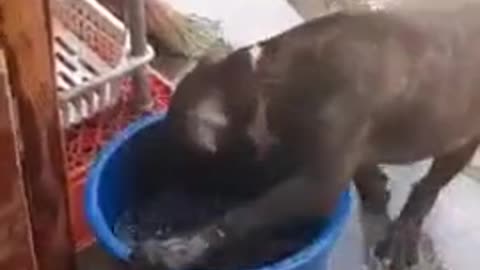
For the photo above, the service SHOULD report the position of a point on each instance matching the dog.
(339, 94)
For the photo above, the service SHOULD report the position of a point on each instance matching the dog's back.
(416, 72)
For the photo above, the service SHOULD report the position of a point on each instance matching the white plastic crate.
(91, 49)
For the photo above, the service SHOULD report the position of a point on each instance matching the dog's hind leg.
(371, 183)
(399, 249)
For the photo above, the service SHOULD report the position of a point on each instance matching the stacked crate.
(93, 67)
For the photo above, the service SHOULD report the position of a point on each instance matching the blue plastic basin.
(113, 184)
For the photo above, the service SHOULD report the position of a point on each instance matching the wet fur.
(340, 95)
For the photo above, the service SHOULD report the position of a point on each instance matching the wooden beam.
(25, 35)
(16, 250)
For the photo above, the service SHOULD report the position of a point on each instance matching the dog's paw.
(399, 250)
(177, 253)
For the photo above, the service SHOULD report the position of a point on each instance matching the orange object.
(84, 140)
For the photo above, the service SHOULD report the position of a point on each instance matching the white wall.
(244, 21)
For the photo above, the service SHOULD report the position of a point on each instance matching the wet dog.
(340, 95)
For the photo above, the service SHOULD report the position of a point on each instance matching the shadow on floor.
(94, 258)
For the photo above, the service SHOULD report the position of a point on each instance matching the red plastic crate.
(84, 140)
(81, 232)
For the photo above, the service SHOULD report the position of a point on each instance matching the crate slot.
(66, 79)
(89, 67)
(65, 62)
(64, 45)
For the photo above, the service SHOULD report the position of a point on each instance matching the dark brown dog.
(340, 95)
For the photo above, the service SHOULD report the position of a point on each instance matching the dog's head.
(214, 103)
(197, 116)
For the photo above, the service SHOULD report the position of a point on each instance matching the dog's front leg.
(313, 192)
(301, 197)
(371, 183)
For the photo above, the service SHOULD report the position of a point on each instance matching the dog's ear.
(214, 55)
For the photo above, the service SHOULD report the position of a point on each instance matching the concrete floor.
(454, 223)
